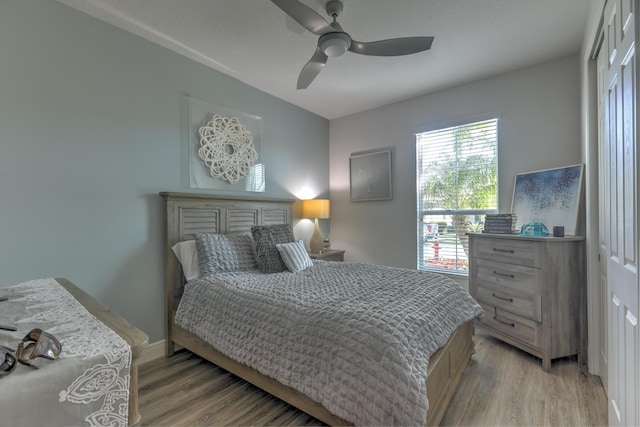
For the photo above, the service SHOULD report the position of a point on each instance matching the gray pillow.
(220, 253)
(266, 237)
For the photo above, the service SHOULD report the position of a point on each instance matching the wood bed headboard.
(189, 213)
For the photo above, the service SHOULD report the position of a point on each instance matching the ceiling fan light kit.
(334, 41)
(334, 44)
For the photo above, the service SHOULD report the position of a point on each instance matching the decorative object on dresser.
(534, 228)
(328, 255)
(500, 223)
(550, 196)
(532, 290)
(314, 209)
(558, 231)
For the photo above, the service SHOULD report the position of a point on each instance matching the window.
(255, 179)
(457, 184)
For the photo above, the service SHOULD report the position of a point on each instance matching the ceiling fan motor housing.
(334, 44)
(334, 8)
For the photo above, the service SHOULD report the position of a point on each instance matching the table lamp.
(314, 209)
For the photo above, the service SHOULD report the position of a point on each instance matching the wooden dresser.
(532, 291)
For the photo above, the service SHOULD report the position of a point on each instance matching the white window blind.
(457, 183)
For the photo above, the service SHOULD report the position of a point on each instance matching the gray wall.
(539, 128)
(90, 132)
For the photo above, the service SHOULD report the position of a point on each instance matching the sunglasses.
(37, 343)
(8, 364)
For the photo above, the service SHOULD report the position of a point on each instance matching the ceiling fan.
(334, 41)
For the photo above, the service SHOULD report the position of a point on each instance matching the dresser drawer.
(511, 287)
(528, 306)
(517, 327)
(512, 251)
(516, 278)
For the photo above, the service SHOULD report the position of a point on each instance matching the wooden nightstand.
(328, 255)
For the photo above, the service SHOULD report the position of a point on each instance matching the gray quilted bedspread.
(355, 337)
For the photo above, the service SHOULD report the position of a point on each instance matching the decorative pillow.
(266, 237)
(295, 256)
(220, 253)
(188, 258)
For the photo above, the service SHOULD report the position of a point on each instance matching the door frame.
(596, 312)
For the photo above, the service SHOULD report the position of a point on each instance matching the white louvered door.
(620, 209)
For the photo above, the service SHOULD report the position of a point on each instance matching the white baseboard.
(155, 350)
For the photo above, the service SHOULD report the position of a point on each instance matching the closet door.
(621, 210)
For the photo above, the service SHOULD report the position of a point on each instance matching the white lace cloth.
(88, 384)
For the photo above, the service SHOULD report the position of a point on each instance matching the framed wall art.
(550, 196)
(223, 148)
(370, 175)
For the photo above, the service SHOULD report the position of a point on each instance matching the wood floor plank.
(501, 386)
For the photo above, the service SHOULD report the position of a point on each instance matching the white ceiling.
(255, 42)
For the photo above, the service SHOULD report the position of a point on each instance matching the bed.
(188, 214)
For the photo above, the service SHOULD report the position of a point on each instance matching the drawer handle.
(508, 251)
(497, 273)
(502, 298)
(513, 325)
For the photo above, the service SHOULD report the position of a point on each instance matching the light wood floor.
(501, 386)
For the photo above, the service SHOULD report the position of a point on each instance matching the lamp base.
(317, 241)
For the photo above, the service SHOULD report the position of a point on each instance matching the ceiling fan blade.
(305, 16)
(312, 69)
(392, 47)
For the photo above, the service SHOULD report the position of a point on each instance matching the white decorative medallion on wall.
(222, 148)
(226, 148)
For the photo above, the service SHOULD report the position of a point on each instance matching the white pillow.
(188, 257)
(295, 256)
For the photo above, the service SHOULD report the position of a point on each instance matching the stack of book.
(500, 223)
